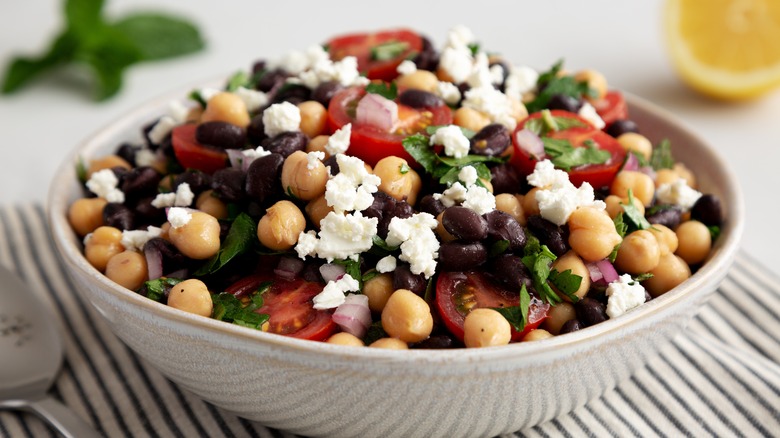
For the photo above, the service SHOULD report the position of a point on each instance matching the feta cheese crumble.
(624, 294)
(183, 197)
(493, 103)
(177, 114)
(449, 92)
(338, 142)
(455, 144)
(253, 99)
(178, 217)
(419, 245)
(558, 197)
(479, 199)
(314, 157)
(340, 237)
(520, 81)
(281, 117)
(104, 183)
(452, 195)
(468, 175)
(386, 264)
(588, 112)
(134, 240)
(334, 293)
(678, 193)
(353, 187)
(406, 67)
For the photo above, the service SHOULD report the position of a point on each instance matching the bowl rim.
(713, 270)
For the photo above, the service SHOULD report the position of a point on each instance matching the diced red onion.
(332, 271)
(354, 316)
(649, 171)
(154, 262)
(530, 142)
(236, 158)
(377, 111)
(632, 163)
(181, 273)
(289, 267)
(602, 272)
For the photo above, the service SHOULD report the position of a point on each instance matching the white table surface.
(624, 40)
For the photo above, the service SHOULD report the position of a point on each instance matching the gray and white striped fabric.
(719, 378)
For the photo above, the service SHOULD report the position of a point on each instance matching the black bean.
(419, 99)
(140, 181)
(263, 178)
(510, 271)
(620, 127)
(146, 130)
(436, 342)
(404, 278)
(325, 92)
(118, 216)
(286, 143)
(228, 184)
(293, 93)
(259, 67)
(565, 102)
(569, 326)
(707, 210)
(197, 180)
(272, 79)
(428, 204)
(221, 135)
(502, 226)
(590, 311)
(172, 259)
(333, 163)
(549, 234)
(459, 256)
(146, 213)
(465, 224)
(504, 70)
(506, 179)
(668, 216)
(255, 132)
(428, 57)
(492, 140)
(382, 203)
(127, 152)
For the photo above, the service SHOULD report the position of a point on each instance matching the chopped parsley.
(538, 259)
(632, 217)
(517, 316)
(446, 169)
(388, 91)
(662, 156)
(389, 50)
(240, 237)
(551, 83)
(238, 80)
(228, 308)
(155, 289)
(548, 122)
(565, 156)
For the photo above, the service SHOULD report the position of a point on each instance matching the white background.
(622, 39)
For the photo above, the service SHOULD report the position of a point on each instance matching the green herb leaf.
(197, 97)
(228, 308)
(387, 90)
(613, 255)
(538, 259)
(635, 219)
(474, 47)
(240, 237)
(374, 333)
(82, 16)
(368, 275)
(382, 244)
(239, 79)
(159, 36)
(642, 277)
(404, 169)
(565, 156)
(389, 50)
(620, 225)
(661, 157)
(155, 289)
(543, 125)
(517, 316)
(352, 268)
(419, 148)
(498, 247)
(566, 282)
(714, 232)
(550, 84)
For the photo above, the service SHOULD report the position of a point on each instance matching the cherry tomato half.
(289, 306)
(370, 143)
(598, 175)
(459, 292)
(193, 155)
(372, 60)
(612, 107)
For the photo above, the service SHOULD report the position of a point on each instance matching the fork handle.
(67, 423)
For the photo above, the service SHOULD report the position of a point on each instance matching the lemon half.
(727, 49)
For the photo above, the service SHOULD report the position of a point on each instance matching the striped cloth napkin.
(719, 378)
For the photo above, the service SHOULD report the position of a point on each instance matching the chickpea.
(378, 290)
(344, 338)
(301, 179)
(640, 184)
(518, 111)
(615, 205)
(317, 144)
(407, 316)
(86, 214)
(537, 335)
(281, 225)
(399, 180)
(559, 315)
(191, 296)
(512, 205)
(470, 118)
(390, 344)
(694, 242)
(207, 202)
(530, 206)
(199, 238)
(128, 269)
(104, 243)
(226, 107)
(595, 80)
(667, 239)
(485, 327)
(419, 80)
(639, 253)
(313, 118)
(571, 261)
(665, 176)
(638, 143)
(686, 174)
(107, 162)
(670, 272)
(194, 114)
(592, 234)
(317, 209)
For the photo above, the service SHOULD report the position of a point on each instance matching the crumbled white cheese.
(521, 80)
(178, 217)
(104, 183)
(545, 175)
(457, 63)
(496, 74)
(183, 197)
(386, 264)
(207, 93)
(293, 62)
(454, 194)
(449, 92)
(345, 236)
(624, 294)
(406, 67)
(419, 245)
(307, 244)
(455, 144)
(353, 187)
(480, 72)
(460, 36)
(281, 117)
(678, 193)
(161, 129)
(145, 157)
(134, 240)
(314, 157)
(344, 71)
(493, 103)
(253, 154)
(334, 293)
(559, 198)
(338, 142)
(479, 199)
(588, 112)
(253, 99)
(468, 175)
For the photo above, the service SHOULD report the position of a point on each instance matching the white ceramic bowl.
(315, 388)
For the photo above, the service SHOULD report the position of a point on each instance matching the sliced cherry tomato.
(612, 107)
(378, 54)
(370, 143)
(289, 306)
(598, 175)
(193, 155)
(459, 292)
